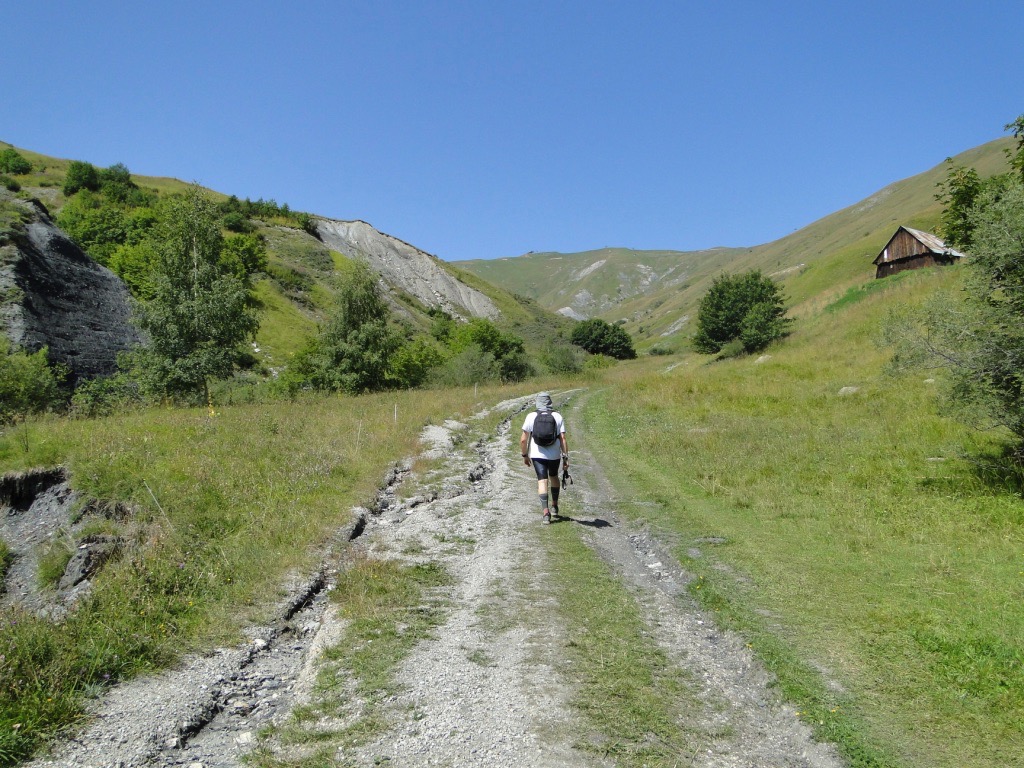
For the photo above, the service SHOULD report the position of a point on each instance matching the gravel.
(483, 689)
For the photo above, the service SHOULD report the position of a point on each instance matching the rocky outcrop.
(406, 267)
(55, 295)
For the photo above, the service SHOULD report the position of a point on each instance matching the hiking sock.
(554, 496)
(543, 501)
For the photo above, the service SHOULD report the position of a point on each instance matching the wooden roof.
(931, 242)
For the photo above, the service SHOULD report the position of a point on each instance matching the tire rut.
(483, 689)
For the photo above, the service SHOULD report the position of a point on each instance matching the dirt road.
(483, 690)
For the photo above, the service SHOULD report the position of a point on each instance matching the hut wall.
(904, 245)
(915, 262)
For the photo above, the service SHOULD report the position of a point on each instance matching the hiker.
(543, 446)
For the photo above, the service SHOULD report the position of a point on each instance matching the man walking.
(543, 446)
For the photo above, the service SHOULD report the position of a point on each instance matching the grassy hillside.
(297, 290)
(205, 507)
(868, 548)
(655, 291)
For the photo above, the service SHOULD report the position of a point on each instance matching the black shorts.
(546, 468)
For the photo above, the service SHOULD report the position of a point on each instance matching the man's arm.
(524, 441)
(565, 447)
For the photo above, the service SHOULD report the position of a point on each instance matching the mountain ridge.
(819, 259)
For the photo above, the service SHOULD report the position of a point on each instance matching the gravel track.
(483, 689)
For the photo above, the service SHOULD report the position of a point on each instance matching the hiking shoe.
(554, 512)
(547, 517)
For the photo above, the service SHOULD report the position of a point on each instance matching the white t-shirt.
(553, 451)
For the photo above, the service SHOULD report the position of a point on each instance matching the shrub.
(289, 279)
(563, 358)
(106, 395)
(11, 184)
(134, 264)
(97, 227)
(515, 366)
(353, 351)
(748, 307)
(602, 338)
(11, 161)
(598, 363)
(81, 175)
(27, 383)
(308, 224)
(117, 186)
(507, 350)
(236, 222)
(243, 255)
(472, 365)
(412, 363)
(659, 350)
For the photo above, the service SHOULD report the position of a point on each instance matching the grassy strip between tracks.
(389, 608)
(633, 701)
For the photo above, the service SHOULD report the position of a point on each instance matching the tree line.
(191, 265)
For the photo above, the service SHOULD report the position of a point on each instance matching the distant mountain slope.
(656, 292)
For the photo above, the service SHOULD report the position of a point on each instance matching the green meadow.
(870, 549)
(867, 547)
(225, 504)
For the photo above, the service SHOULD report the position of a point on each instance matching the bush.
(598, 363)
(507, 350)
(515, 366)
(27, 383)
(473, 365)
(236, 222)
(12, 162)
(563, 358)
(746, 307)
(104, 396)
(760, 327)
(289, 279)
(244, 255)
(308, 224)
(602, 338)
(353, 352)
(11, 184)
(117, 186)
(412, 363)
(81, 175)
(97, 227)
(134, 264)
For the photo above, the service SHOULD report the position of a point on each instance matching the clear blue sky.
(483, 129)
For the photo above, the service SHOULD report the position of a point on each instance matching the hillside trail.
(487, 687)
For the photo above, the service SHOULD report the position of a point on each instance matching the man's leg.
(555, 487)
(542, 492)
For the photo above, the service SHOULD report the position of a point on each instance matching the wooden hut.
(913, 249)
